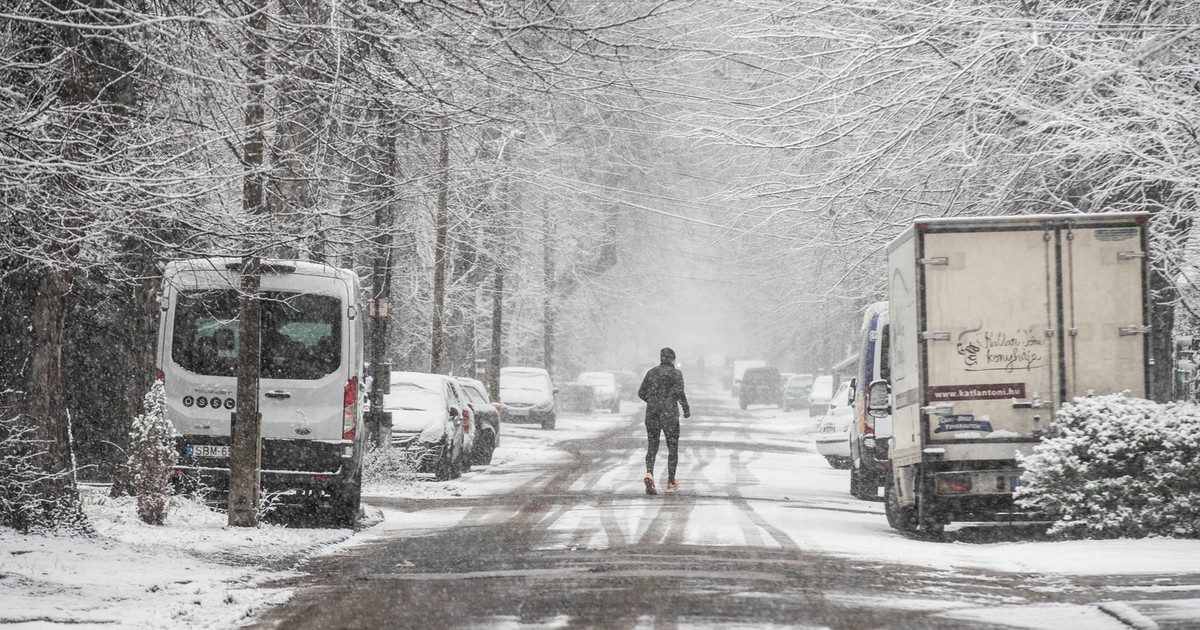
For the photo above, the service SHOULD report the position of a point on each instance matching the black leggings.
(670, 428)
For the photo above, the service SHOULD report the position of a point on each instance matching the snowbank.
(190, 572)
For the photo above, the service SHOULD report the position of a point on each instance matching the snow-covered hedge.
(1118, 467)
(151, 456)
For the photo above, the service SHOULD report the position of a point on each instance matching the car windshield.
(526, 381)
(301, 333)
(407, 395)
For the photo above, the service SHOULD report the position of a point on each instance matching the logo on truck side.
(985, 350)
(991, 391)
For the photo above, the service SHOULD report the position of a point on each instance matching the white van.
(312, 357)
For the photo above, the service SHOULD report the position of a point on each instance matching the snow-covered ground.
(192, 572)
(750, 479)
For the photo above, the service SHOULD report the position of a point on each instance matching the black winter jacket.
(662, 389)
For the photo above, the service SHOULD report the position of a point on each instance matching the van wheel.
(899, 517)
(859, 488)
(743, 404)
(549, 422)
(347, 500)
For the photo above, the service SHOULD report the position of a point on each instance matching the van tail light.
(466, 420)
(159, 376)
(499, 408)
(350, 409)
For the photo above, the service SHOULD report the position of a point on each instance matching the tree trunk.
(548, 290)
(442, 226)
(1171, 232)
(245, 454)
(44, 400)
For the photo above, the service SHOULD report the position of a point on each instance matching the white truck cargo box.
(996, 322)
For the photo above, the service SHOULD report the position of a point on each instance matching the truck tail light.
(350, 409)
(953, 484)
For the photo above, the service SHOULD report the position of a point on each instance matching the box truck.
(995, 323)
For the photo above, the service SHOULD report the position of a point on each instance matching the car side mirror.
(454, 412)
(879, 399)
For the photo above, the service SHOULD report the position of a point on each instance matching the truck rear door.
(1106, 334)
(990, 308)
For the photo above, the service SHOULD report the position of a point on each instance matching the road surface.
(558, 533)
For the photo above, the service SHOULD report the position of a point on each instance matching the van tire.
(548, 423)
(743, 404)
(859, 488)
(348, 500)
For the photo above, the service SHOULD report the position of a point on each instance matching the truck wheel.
(899, 517)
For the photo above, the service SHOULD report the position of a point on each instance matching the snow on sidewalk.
(192, 572)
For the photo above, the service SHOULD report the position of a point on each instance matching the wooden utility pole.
(380, 421)
(245, 456)
(548, 289)
(441, 227)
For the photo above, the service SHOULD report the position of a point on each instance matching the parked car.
(833, 431)
(739, 369)
(820, 395)
(310, 396)
(487, 419)
(627, 384)
(604, 389)
(528, 393)
(431, 421)
(762, 386)
(796, 390)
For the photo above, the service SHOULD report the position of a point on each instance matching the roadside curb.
(1127, 615)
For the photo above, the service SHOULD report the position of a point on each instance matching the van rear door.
(990, 309)
(307, 349)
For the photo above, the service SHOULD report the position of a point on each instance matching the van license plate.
(208, 450)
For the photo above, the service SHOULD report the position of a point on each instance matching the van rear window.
(301, 334)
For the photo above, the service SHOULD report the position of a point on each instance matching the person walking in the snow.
(662, 389)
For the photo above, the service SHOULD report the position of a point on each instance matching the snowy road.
(557, 532)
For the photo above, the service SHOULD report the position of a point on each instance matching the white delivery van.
(310, 394)
(995, 323)
(869, 435)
